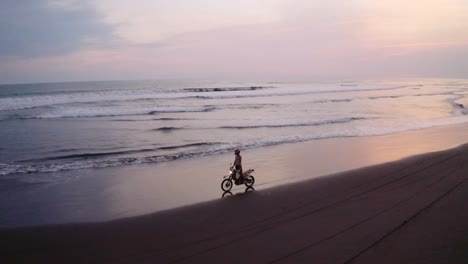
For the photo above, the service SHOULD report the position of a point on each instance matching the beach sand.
(412, 210)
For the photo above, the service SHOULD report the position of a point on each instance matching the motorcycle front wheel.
(226, 185)
(249, 181)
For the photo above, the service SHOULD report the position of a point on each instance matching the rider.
(238, 162)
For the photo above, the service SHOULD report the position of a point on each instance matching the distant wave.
(36, 101)
(64, 99)
(171, 119)
(69, 112)
(346, 100)
(453, 84)
(226, 89)
(287, 92)
(91, 110)
(155, 119)
(182, 110)
(66, 150)
(340, 100)
(28, 101)
(167, 129)
(124, 120)
(319, 123)
(191, 145)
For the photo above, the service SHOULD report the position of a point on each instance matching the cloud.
(209, 38)
(155, 20)
(35, 28)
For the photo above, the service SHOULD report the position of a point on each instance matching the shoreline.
(100, 195)
(405, 211)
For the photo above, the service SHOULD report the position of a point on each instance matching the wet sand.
(412, 210)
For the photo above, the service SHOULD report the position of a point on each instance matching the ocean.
(47, 128)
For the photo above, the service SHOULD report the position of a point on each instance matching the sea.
(46, 128)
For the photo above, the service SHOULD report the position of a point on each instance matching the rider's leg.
(238, 172)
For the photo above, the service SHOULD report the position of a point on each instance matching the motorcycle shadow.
(229, 193)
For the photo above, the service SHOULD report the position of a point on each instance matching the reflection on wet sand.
(229, 193)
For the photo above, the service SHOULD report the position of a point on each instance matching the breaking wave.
(116, 153)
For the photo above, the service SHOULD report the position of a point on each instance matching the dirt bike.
(231, 179)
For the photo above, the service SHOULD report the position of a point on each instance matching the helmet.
(237, 152)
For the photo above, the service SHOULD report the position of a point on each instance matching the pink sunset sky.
(66, 40)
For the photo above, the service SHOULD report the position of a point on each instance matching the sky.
(79, 40)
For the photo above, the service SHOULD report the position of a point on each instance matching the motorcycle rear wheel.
(226, 185)
(249, 181)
